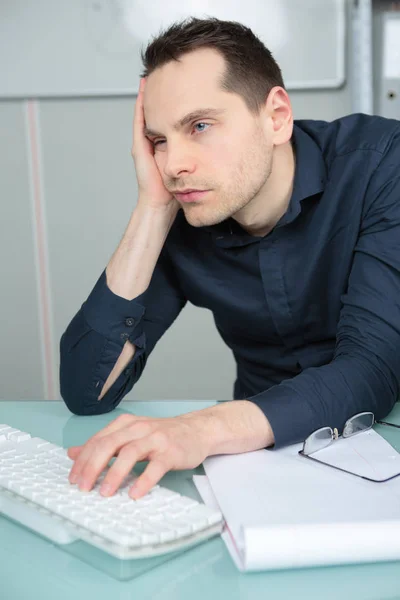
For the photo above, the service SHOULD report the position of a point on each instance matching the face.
(229, 152)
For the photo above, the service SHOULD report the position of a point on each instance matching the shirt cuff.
(290, 416)
(113, 316)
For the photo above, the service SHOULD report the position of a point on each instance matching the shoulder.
(354, 133)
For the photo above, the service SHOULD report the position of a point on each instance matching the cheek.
(230, 162)
(222, 157)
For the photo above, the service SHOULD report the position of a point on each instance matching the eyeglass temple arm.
(387, 423)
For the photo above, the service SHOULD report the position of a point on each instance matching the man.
(293, 242)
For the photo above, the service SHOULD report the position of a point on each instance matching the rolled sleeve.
(91, 345)
(113, 316)
(94, 339)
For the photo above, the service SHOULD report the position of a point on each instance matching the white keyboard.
(35, 491)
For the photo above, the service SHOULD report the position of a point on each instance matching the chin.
(197, 220)
(206, 214)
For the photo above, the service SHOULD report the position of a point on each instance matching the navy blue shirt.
(311, 311)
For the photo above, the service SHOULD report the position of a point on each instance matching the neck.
(261, 215)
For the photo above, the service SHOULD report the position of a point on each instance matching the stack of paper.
(283, 510)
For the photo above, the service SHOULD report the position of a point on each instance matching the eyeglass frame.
(335, 436)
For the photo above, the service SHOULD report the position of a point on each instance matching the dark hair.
(251, 71)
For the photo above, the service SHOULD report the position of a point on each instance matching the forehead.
(177, 88)
(195, 70)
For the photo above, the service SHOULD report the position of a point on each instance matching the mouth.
(191, 196)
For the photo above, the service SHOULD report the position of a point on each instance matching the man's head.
(219, 65)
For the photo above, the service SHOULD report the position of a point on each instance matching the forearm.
(105, 347)
(233, 427)
(131, 267)
(327, 396)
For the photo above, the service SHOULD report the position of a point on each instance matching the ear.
(279, 110)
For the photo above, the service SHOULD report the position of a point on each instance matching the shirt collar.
(309, 180)
(310, 173)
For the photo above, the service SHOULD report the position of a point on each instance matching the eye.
(158, 142)
(201, 123)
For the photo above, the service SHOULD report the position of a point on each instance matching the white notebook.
(283, 510)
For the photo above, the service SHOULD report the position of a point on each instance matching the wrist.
(234, 427)
(162, 211)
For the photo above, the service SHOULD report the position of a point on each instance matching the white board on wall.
(92, 47)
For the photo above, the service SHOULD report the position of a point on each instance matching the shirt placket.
(277, 287)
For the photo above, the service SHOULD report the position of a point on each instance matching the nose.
(178, 161)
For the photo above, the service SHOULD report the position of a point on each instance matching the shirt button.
(129, 322)
(124, 336)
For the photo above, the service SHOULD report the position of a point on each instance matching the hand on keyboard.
(168, 443)
(35, 491)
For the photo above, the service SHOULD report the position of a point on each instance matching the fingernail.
(73, 478)
(105, 489)
(83, 485)
(134, 491)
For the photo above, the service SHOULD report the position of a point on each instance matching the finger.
(96, 456)
(130, 454)
(74, 451)
(141, 445)
(152, 474)
(115, 425)
(85, 450)
(138, 120)
(83, 455)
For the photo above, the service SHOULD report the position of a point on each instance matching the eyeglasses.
(323, 437)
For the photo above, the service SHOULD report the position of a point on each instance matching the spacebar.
(32, 518)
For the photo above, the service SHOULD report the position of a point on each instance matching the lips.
(192, 196)
(188, 191)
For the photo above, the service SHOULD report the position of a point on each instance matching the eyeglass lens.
(358, 423)
(318, 440)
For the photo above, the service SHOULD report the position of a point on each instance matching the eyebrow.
(192, 116)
